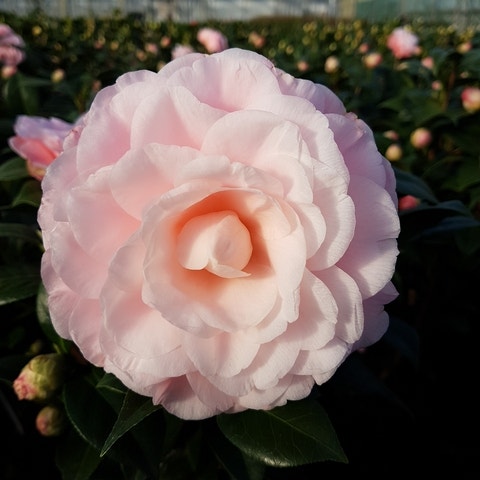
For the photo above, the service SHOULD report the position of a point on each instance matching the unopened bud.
(50, 421)
(41, 378)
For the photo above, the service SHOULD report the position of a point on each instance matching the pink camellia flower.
(471, 99)
(10, 47)
(403, 43)
(213, 40)
(219, 235)
(39, 141)
(181, 50)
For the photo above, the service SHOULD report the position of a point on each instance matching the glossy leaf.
(30, 194)
(18, 282)
(298, 433)
(134, 409)
(13, 169)
(409, 184)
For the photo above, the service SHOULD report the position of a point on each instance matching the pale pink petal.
(184, 120)
(153, 166)
(100, 235)
(222, 354)
(78, 270)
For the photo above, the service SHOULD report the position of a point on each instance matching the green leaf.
(410, 184)
(75, 458)
(19, 231)
(21, 95)
(238, 465)
(13, 169)
(89, 413)
(112, 390)
(18, 282)
(30, 194)
(134, 409)
(296, 434)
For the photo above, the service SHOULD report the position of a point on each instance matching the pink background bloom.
(471, 99)
(10, 44)
(213, 40)
(39, 141)
(219, 235)
(402, 43)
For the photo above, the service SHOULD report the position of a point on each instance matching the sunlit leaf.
(295, 434)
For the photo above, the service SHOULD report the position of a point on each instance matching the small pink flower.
(407, 202)
(421, 137)
(39, 141)
(8, 71)
(471, 99)
(464, 47)
(372, 60)
(363, 48)
(257, 40)
(181, 50)
(428, 62)
(403, 43)
(10, 47)
(302, 66)
(213, 40)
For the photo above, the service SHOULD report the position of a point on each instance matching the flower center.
(217, 242)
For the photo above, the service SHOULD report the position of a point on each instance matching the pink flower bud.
(332, 64)
(421, 137)
(50, 421)
(471, 99)
(394, 152)
(428, 62)
(41, 378)
(372, 59)
(408, 201)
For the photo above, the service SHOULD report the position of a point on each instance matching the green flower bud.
(41, 378)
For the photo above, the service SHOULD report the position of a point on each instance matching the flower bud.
(50, 421)
(57, 75)
(41, 378)
(421, 138)
(471, 99)
(408, 201)
(332, 64)
(394, 152)
(372, 60)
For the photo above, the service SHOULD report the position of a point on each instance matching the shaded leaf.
(18, 282)
(76, 459)
(134, 409)
(30, 194)
(13, 169)
(295, 434)
(410, 184)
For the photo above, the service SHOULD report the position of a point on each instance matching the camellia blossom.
(402, 42)
(39, 141)
(213, 40)
(10, 47)
(219, 235)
